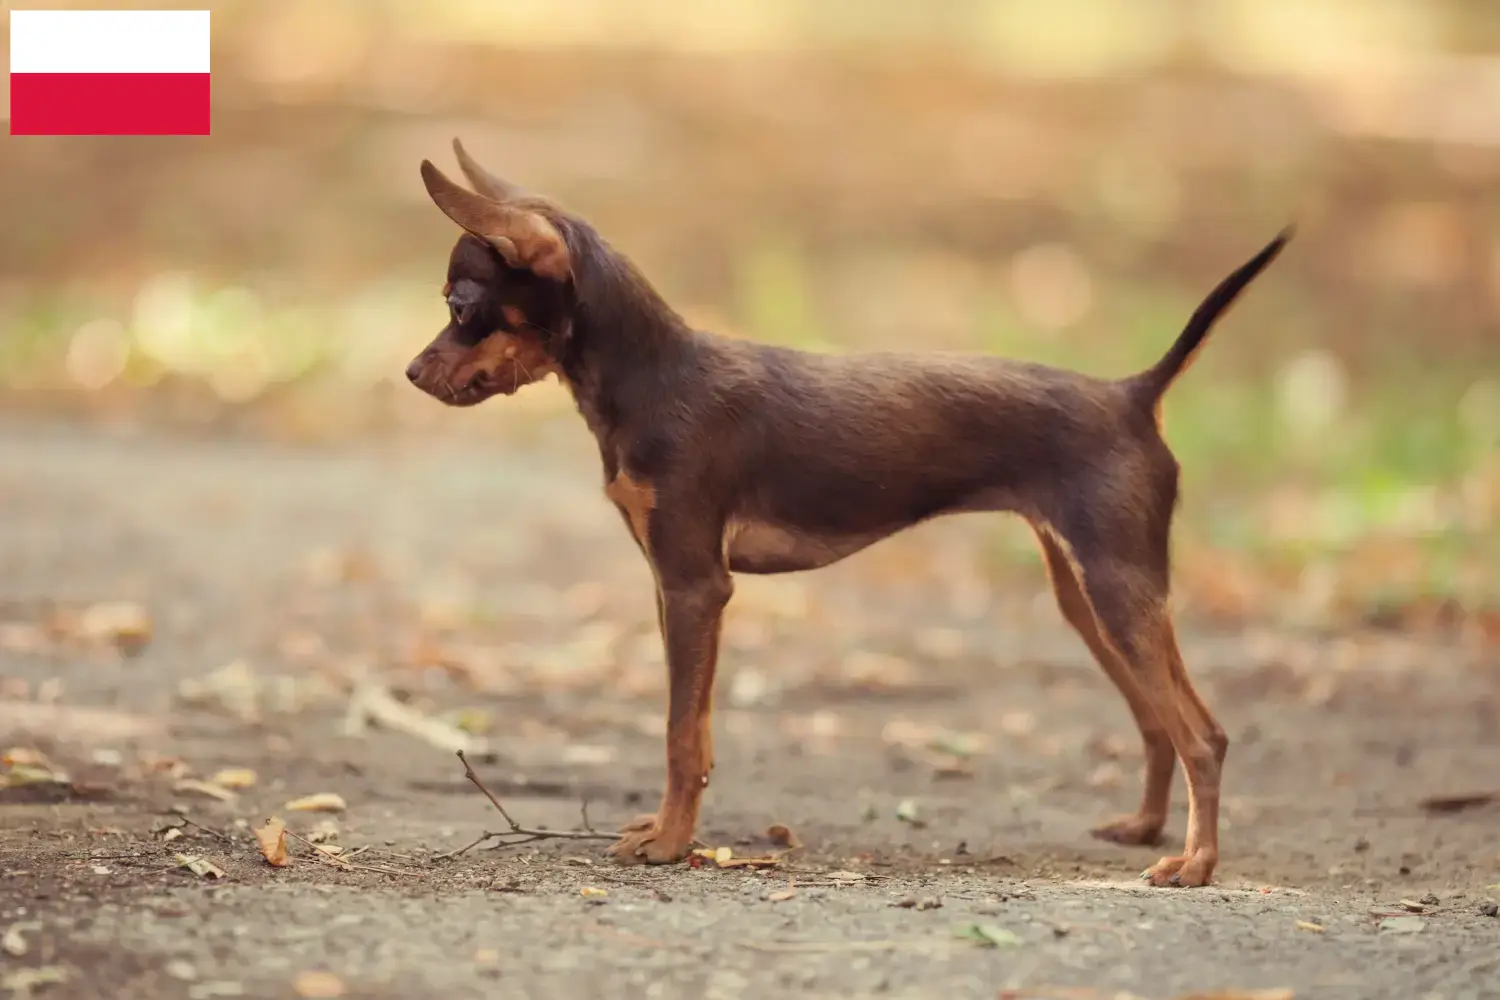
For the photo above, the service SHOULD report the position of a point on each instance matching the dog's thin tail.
(1150, 385)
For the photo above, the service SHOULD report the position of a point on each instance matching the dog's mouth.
(463, 388)
(478, 389)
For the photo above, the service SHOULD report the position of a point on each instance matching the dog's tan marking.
(447, 289)
(514, 317)
(755, 546)
(636, 500)
(515, 361)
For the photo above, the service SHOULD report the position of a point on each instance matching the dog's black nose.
(414, 370)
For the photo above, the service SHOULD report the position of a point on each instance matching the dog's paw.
(1181, 873)
(643, 841)
(1134, 830)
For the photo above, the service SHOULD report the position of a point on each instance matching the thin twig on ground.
(199, 826)
(349, 865)
(527, 835)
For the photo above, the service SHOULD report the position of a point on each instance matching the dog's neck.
(623, 332)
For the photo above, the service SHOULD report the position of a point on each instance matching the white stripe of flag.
(109, 72)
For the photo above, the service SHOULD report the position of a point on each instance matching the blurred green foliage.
(1061, 183)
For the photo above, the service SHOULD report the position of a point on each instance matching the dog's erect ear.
(482, 180)
(524, 238)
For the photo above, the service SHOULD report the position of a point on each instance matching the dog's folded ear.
(524, 238)
(482, 180)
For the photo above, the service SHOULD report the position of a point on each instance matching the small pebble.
(1490, 909)
(178, 969)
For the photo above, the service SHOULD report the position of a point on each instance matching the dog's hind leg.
(1120, 545)
(1145, 826)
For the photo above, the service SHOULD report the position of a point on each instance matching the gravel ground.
(327, 568)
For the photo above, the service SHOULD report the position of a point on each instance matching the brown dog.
(727, 457)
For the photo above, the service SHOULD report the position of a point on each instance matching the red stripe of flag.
(109, 104)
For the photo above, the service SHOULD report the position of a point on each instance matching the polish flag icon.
(109, 72)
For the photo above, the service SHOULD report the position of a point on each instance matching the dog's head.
(508, 291)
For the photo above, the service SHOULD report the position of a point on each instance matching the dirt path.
(508, 566)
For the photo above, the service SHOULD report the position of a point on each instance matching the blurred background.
(1059, 181)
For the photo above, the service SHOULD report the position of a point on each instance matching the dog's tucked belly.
(753, 545)
(762, 547)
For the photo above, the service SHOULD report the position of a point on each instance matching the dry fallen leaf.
(234, 777)
(316, 983)
(373, 703)
(126, 625)
(782, 836)
(13, 943)
(589, 892)
(782, 895)
(272, 841)
(205, 788)
(28, 766)
(321, 802)
(17, 776)
(23, 981)
(199, 866)
(1308, 925)
(25, 757)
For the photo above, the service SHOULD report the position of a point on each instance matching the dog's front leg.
(692, 594)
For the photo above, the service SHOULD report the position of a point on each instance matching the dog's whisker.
(519, 366)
